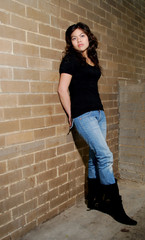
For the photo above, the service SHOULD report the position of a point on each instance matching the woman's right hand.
(70, 121)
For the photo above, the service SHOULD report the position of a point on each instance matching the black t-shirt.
(83, 88)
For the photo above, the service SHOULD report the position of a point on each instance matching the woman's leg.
(92, 163)
(88, 127)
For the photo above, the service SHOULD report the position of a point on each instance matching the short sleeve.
(66, 65)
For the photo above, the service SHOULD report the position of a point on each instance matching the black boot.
(112, 204)
(94, 193)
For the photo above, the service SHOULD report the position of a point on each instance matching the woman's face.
(80, 40)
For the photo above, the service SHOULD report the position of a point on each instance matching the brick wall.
(132, 129)
(42, 169)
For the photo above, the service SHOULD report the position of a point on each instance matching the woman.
(78, 92)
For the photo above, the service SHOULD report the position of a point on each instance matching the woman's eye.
(73, 39)
(83, 35)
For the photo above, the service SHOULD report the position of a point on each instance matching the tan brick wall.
(42, 170)
(132, 126)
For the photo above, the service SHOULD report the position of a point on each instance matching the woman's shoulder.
(69, 57)
(68, 64)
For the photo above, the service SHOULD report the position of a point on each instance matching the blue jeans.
(92, 127)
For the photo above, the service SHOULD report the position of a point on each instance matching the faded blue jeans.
(92, 127)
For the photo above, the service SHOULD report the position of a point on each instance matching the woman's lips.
(80, 45)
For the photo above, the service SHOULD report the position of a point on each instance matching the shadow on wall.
(83, 150)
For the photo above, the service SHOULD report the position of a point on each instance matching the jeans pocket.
(84, 115)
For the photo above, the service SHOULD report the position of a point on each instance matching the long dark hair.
(93, 43)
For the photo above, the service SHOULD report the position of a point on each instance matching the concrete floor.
(77, 223)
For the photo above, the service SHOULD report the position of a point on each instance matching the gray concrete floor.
(77, 223)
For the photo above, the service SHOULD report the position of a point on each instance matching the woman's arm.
(63, 92)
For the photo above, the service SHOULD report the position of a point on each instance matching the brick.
(47, 175)
(47, 75)
(49, 31)
(55, 141)
(12, 60)
(33, 170)
(59, 23)
(30, 99)
(4, 17)
(49, 8)
(69, 16)
(23, 23)
(92, 16)
(72, 156)
(1, 115)
(12, 33)
(5, 46)
(11, 202)
(55, 182)
(67, 204)
(3, 193)
(57, 44)
(61, 3)
(9, 126)
(41, 87)
(22, 231)
(36, 191)
(50, 54)
(55, 65)
(37, 63)
(105, 6)
(32, 123)
(55, 120)
(100, 12)
(5, 73)
(21, 186)
(55, 162)
(20, 162)
(38, 39)
(40, 211)
(64, 188)
(47, 216)
(8, 100)
(66, 148)
(14, 86)
(3, 167)
(28, 50)
(32, 147)
(12, 226)
(45, 154)
(5, 218)
(17, 113)
(67, 168)
(9, 152)
(43, 110)
(75, 173)
(80, 11)
(87, 5)
(2, 141)
(59, 200)
(37, 15)
(19, 138)
(48, 196)
(26, 207)
(62, 129)
(51, 98)
(8, 178)
(13, 7)
(44, 133)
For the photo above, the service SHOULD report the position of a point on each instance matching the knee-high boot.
(112, 204)
(94, 193)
